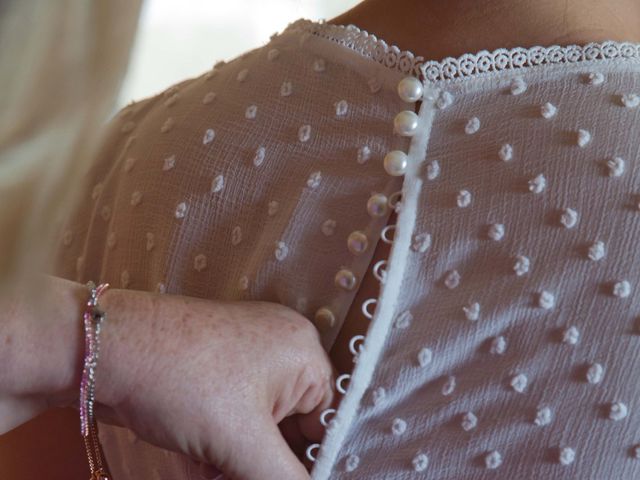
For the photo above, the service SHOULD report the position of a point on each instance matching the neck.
(436, 29)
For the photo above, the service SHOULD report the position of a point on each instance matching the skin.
(165, 373)
(41, 365)
(436, 29)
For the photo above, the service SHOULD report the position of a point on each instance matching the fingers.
(210, 472)
(309, 424)
(263, 454)
(302, 430)
(318, 396)
(107, 415)
(293, 435)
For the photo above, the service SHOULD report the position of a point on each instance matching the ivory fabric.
(505, 341)
(61, 67)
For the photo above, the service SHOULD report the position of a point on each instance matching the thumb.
(261, 453)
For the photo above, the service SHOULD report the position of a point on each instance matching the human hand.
(213, 379)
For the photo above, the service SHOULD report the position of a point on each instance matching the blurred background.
(177, 39)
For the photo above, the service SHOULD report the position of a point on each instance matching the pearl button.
(345, 279)
(377, 205)
(324, 319)
(395, 163)
(357, 242)
(406, 123)
(410, 89)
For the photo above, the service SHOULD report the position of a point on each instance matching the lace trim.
(366, 44)
(467, 65)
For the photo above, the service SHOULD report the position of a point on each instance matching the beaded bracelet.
(93, 317)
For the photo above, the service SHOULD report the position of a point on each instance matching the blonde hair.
(61, 66)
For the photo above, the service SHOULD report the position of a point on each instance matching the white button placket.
(396, 163)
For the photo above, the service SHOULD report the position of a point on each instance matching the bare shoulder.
(435, 29)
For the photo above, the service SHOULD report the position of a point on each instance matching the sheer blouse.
(505, 341)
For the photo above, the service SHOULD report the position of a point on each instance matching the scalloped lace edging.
(364, 43)
(467, 65)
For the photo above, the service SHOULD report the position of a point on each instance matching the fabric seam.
(385, 311)
(468, 65)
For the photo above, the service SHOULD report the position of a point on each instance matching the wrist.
(120, 345)
(42, 342)
(63, 334)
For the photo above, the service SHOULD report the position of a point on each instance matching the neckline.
(468, 65)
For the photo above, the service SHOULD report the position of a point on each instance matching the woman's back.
(512, 329)
(503, 343)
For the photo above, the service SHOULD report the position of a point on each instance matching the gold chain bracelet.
(93, 318)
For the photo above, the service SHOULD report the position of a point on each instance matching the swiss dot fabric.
(506, 339)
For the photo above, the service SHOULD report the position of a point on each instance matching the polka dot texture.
(519, 361)
(219, 187)
(515, 338)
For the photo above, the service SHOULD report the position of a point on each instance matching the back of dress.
(505, 342)
(510, 344)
